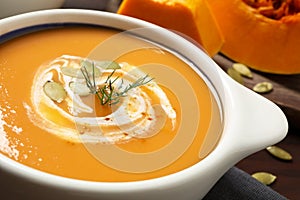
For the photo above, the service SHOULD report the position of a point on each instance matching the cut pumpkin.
(263, 34)
(192, 18)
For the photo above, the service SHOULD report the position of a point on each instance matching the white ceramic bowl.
(251, 123)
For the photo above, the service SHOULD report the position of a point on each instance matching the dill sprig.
(107, 93)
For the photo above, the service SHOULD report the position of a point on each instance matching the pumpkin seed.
(242, 69)
(279, 153)
(263, 87)
(108, 64)
(79, 88)
(235, 75)
(264, 177)
(74, 70)
(91, 69)
(55, 91)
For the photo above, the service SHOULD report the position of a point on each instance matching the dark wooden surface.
(288, 173)
(286, 94)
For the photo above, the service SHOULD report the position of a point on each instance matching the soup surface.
(165, 118)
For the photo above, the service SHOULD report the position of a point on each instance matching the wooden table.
(288, 173)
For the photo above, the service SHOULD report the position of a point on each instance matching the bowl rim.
(45, 17)
(216, 157)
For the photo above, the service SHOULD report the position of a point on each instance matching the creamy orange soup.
(166, 124)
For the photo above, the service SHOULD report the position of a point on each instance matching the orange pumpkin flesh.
(263, 34)
(185, 16)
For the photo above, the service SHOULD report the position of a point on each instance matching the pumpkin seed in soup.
(73, 70)
(264, 177)
(55, 91)
(279, 153)
(108, 64)
(242, 69)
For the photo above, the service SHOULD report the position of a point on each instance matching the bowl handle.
(254, 122)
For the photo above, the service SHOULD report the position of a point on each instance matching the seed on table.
(264, 177)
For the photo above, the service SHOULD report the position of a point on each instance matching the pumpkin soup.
(92, 103)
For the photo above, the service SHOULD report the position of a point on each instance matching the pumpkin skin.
(188, 17)
(262, 43)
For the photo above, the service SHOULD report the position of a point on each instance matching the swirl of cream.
(135, 116)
